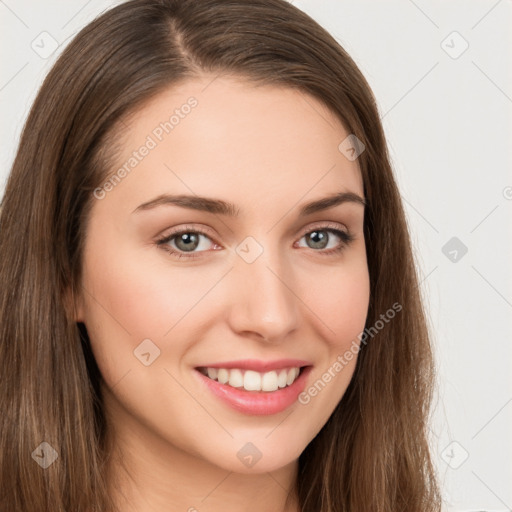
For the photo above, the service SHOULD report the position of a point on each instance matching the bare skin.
(268, 150)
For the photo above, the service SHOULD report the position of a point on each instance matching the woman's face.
(175, 288)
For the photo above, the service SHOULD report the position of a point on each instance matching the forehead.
(219, 136)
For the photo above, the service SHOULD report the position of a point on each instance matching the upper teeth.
(251, 380)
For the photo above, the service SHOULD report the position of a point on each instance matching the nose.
(263, 302)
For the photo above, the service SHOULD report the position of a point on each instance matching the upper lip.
(258, 365)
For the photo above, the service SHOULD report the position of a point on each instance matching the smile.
(251, 380)
(254, 392)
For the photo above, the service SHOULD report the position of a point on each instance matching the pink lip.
(257, 402)
(259, 366)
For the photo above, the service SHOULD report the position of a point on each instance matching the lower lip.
(261, 403)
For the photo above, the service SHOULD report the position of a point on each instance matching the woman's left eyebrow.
(218, 206)
(331, 201)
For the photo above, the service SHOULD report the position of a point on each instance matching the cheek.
(145, 297)
(131, 296)
(340, 298)
(341, 306)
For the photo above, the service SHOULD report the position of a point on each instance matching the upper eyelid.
(187, 229)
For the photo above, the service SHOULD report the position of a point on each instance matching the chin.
(257, 457)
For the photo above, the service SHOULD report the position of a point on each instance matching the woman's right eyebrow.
(219, 206)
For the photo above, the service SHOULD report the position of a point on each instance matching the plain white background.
(442, 78)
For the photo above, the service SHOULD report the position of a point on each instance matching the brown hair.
(372, 455)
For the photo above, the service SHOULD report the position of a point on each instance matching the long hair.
(372, 455)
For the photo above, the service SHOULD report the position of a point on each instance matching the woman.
(208, 295)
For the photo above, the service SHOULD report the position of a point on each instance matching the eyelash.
(346, 239)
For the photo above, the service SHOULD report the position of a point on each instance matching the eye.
(327, 237)
(182, 243)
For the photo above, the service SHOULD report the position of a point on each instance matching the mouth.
(253, 392)
(251, 380)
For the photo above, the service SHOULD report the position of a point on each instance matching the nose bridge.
(264, 301)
